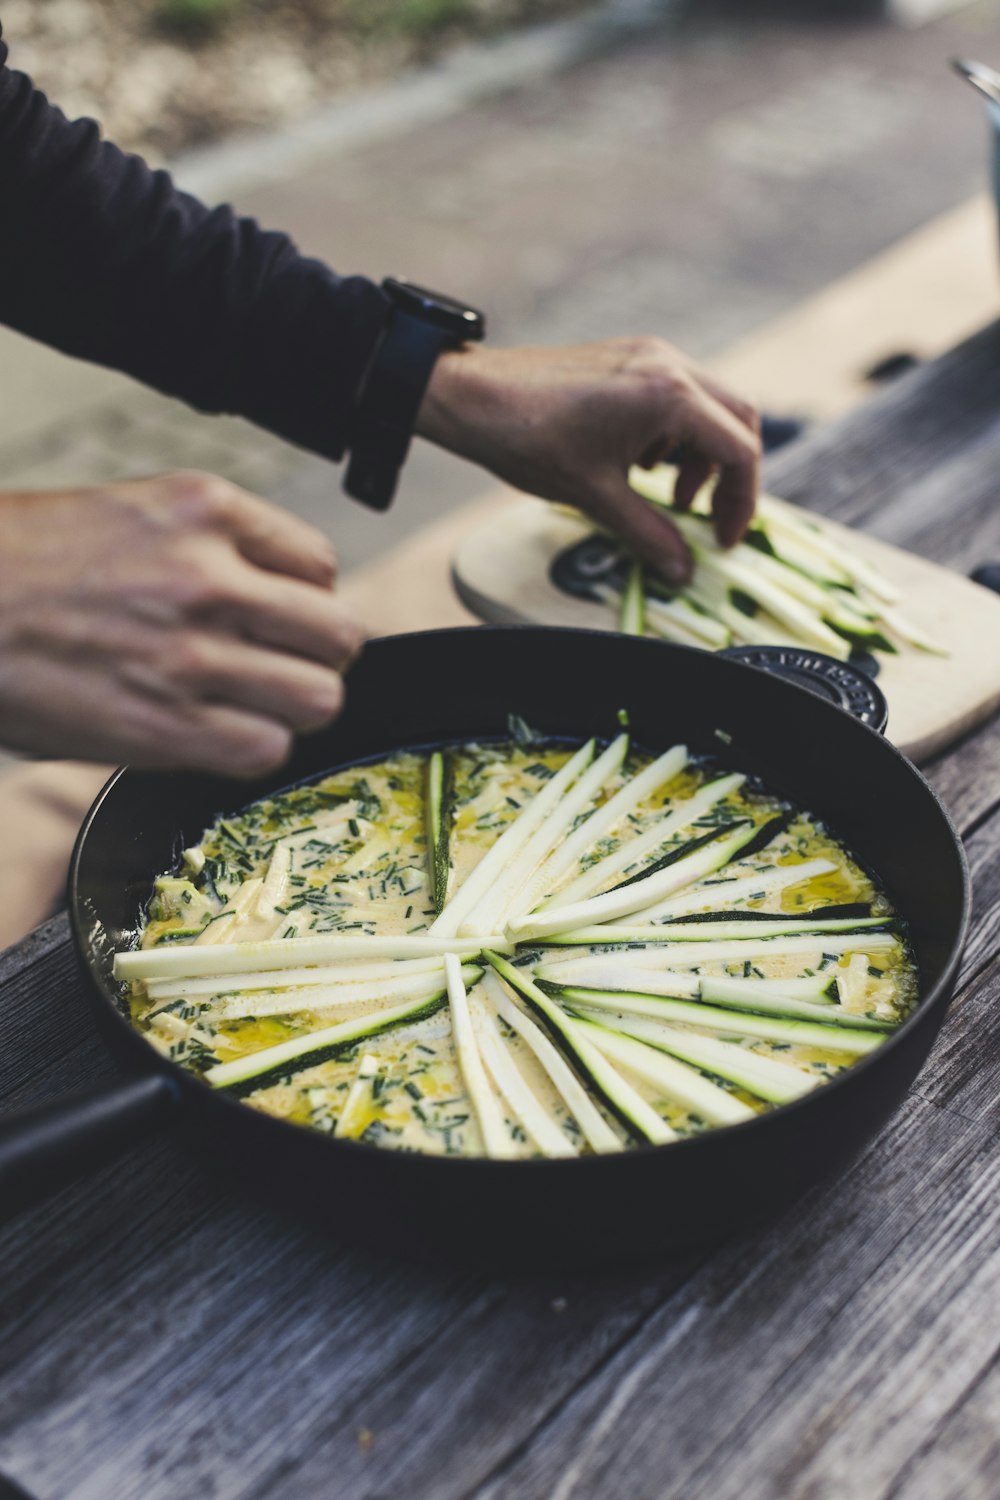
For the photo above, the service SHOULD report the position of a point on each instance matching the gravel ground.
(160, 86)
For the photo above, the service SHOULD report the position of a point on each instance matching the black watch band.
(420, 325)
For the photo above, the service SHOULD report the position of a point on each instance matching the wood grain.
(165, 1340)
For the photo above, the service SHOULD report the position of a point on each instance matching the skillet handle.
(837, 681)
(42, 1149)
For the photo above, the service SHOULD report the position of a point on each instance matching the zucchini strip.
(317, 1046)
(190, 960)
(667, 627)
(275, 882)
(818, 992)
(632, 609)
(768, 927)
(680, 1082)
(680, 816)
(286, 979)
(351, 1122)
(438, 811)
(233, 914)
(706, 628)
(594, 1128)
(769, 1028)
(634, 895)
(330, 997)
(780, 514)
(511, 842)
(496, 1137)
(625, 800)
(493, 910)
(777, 1082)
(799, 618)
(522, 1103)
(646, 947)
(731, 890)
(639, 1119)
(900, 626)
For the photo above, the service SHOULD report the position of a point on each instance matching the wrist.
(464, 401)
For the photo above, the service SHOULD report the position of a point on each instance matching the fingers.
(743, 410)
(263, 533)
(207, 737)
(206, 667)
(719, 437)
(693, 473)
(282, 542)
(295, 617)
(645, 529)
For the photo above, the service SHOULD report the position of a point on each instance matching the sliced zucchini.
(632, 608)
(352, 1118)
(740, 838)
(769, 1028)
(318, 997)
(572, 849)
(268, 1065)
(679, 1082)
(506, 894)
(511, 842)
(511, 1084)
(660, 952)
(777, 1082)
(730, 891)
(192, 960)
(760, 925)
(438, 813)
(496, 1137)
(679, 816)
(284, 979)
(596, 1130)
(639, 1119)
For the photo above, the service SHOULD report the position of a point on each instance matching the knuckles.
(200, 499)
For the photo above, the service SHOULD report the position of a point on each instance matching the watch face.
(457, 318)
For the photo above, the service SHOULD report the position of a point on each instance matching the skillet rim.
(940, 991)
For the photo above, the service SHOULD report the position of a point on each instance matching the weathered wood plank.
(968, 1440)
(815, 1374)
(851, 467)
(967, 778)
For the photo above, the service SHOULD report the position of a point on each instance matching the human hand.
(568, 424)
(170, 622)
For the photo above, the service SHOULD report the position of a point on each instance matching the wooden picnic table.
(162, 1340)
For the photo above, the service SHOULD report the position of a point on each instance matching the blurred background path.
(781, 192)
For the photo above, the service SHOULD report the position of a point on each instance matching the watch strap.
(388, 405)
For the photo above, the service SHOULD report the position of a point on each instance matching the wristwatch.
(420, 324)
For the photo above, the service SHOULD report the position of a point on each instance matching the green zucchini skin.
(250, 1082)
(747, 840)
(789, 1022)
(439, 808)
(847, 911)
(681, 852)
(554, 1020)
(736, 927)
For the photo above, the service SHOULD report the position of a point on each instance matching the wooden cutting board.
(501, 572)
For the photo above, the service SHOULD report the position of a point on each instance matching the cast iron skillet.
(457, 685)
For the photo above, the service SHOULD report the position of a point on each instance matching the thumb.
(642, 526)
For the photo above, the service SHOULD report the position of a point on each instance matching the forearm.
(103, 258)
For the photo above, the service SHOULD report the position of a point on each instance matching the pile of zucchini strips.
(519, 949)
(787, 583)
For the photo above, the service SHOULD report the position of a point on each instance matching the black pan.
(418, 690)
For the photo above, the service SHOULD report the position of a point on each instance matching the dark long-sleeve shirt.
(105, 259)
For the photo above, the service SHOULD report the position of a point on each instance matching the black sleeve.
(107, 260)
